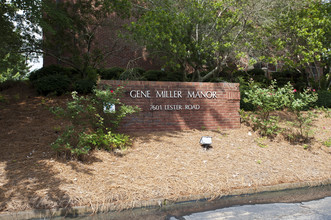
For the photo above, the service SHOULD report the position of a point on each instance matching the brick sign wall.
(180, 105)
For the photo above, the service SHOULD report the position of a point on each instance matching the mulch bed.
(160, 165)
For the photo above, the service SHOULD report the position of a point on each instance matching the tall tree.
(18, 42)
(193, 35)
(297, 34)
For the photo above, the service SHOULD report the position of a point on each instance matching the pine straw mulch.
(160, 165)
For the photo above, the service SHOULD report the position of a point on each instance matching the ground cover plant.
(93, 122)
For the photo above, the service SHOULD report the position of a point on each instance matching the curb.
(79, 211)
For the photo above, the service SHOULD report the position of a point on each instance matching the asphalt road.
(312, 210)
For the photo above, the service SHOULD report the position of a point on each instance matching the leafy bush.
(132, 74)
(297, 102)
(174, 77)
(84, 86)
(256, 72)
(10, 75)
(49, 70)
(57, 84)
(91, 126)
(267, 100)
(111, 73)
(155, 75)
(324, 99)
(48, 80)
(244, 87)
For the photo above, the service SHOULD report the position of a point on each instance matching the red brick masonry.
(180, 105)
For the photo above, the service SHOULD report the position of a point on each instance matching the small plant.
(306, 147)
(267, 127)
(92, 127)
(258, 161)
(260, 142)
(326, 111)
(244, 116)
(303, 124)
(297, 103)
(327, 143)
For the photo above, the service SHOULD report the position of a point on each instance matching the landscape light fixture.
(205, 141)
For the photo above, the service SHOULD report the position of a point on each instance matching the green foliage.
(326, 111)
(267, 127)
(91, 126)
(324, 99)
(49, 70)
(323, 83)
(301, 127)
(155, 75)
(174, 77)
(111, 73)
(261, 142)
(289, 75)
(84, 86)
(327, 143)
(48, 80)
(161, 75)
(132, 74)
(190, 34)
(268, 100)
(53, 84)
(13, 67)
(244, 88)
(299, 35)
(17, 43)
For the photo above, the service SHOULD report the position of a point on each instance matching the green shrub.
(174, 77)
(84, 86)
(91, 126)
(243, 88)
(49, 70)
(132, 74)
(256, 72)
(57, 84)
(111, 73)
(324, 99)
(155, 75)
(268, 100)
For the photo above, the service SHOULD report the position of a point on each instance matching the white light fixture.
(205, 141)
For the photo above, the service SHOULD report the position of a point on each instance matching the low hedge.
(111, 73)
(49, 70)
(324, 99)
(53, 84)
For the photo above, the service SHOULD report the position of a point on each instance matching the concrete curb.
(156, 203)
